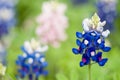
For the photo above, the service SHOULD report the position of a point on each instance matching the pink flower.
(52, 23)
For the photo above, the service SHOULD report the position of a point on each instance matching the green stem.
(89, 68)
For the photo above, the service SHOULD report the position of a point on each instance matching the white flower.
(99, 41)
(6, 14)
(42, 59)
(95, 24)
(28, 47)
(100, 26)
(30, 60)
(86, 42)
(86, 25)
(2, 70)
(105, 33)
(34, 45)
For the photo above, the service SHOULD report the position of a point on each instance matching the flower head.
(52, 23)
(7, 13)
(92, 41)
(32, 62)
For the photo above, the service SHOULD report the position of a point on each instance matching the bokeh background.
(62, 63)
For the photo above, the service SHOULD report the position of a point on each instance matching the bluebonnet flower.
(32, 62)
(106, 10)
(7, 16)
(91, 42)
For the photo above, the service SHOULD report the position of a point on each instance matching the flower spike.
(91, 41)
(32, 62)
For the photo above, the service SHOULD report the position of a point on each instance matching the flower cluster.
(7, 13)
(106, 10)
(92, 41)
(52, 23)
(32, 62)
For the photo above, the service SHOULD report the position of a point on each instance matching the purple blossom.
(7, 16)
(106, 10)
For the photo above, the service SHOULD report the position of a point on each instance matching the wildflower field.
(62, 63)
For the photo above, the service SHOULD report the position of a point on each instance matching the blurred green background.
(62, 63)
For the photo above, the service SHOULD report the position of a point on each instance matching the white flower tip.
(43, 49)
(30, 60)
(37, 55)
(86, 24)
(105, 33)
(42, 59)
(26, 44)
(86, 42)
(28, 47)
(6, 14)
(99, 28)
(2, 69)
(103, 23)
(99, 41)
(24, 55)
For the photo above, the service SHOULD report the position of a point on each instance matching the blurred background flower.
(7, 16)
(52, 23)
(32, 63)
(107, 11)
(7, 21)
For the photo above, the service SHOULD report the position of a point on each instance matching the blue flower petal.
(44, 64)
(75, 51)
(85, 59)
(101, 46)
(81, 64)
(91, 49)
(30, 76)
(45, 73)
(83, 46)
(93, 58)
(23, 49)
(102, 62)
(78, 35)
(106, 49)
(99, 54)
(18, 62)
(78, 42)
(22, 73)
